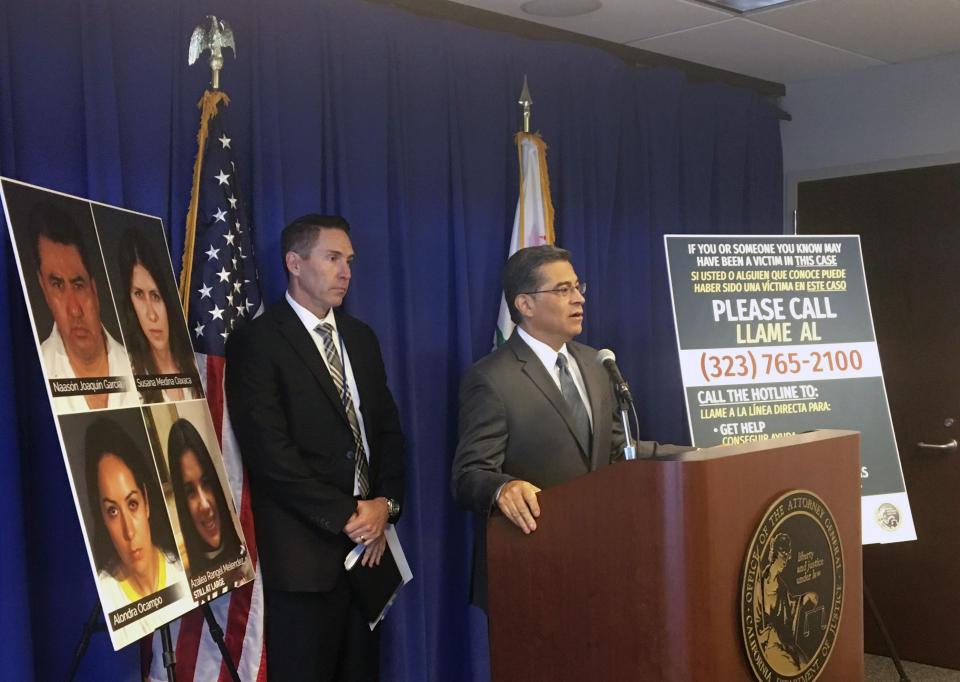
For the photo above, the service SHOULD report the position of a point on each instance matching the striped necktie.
(570, 393)
(336, 373)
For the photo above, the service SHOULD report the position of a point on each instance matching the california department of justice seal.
(791, 596)
(887, 516)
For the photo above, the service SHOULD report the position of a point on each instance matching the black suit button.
(349, 454)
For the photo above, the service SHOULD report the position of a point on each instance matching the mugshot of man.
(78, 347)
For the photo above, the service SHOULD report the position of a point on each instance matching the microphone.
(608, 360)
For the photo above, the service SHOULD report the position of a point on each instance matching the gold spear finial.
(215, 38)
(525, 102)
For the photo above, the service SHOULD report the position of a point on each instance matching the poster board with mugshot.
(137, 437)
(775, 336)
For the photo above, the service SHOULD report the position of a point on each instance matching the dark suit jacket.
(515, 424)
(297, 444)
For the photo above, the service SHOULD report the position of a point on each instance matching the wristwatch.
(393, 509)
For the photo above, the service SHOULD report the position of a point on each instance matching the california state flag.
(533, 222)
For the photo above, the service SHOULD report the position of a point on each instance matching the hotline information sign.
(776, 337)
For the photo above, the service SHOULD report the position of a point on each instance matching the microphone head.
(605, 355)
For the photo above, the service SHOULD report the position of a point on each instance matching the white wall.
(882, 118)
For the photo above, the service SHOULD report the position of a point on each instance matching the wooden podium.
(634, 571)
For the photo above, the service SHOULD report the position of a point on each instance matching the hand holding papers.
(378, 585)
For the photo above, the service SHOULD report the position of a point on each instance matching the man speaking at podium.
(537, 411)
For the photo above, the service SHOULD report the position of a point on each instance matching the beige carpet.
(881, 669)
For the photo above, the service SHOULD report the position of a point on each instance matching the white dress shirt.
(311, 321)
(57, 365)
(548, 357)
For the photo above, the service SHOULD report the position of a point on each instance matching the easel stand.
(169, 653)
(891, 649)
(217, 633)
(89, 628)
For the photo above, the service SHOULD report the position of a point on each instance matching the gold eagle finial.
(216, 36)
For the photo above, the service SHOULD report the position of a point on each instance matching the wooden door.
(909, 224)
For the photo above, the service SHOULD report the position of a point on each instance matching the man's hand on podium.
(518, 501)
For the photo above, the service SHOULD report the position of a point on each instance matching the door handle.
(945, 447)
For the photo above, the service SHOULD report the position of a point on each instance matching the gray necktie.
(570, 393)
(336, 373)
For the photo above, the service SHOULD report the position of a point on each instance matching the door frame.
(792, 179)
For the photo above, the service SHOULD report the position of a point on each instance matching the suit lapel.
(537, 373)
(292, 329)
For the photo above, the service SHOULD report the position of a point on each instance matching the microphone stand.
(625, 401)
(607, 360)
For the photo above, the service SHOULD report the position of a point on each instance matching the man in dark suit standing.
(319, 432)
(537, 411)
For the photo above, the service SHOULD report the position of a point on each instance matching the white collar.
(547, 355)
(309, 320)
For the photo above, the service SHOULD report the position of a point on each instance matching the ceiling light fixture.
(744, 6)
(560, 8)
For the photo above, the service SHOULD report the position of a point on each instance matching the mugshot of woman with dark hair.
(150, 314)
(208, 532)
(132, 542)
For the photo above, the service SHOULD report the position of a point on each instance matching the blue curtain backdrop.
(404, 125)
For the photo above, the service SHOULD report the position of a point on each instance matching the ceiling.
(802, 40)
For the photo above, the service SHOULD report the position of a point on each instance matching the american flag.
(219, 290)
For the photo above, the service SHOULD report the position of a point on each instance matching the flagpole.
(240, 612)
(533, 220)
(214, 35)
(525, 103)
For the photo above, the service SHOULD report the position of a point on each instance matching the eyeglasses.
(566, 291)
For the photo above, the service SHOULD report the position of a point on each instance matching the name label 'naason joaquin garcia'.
(87, 386)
